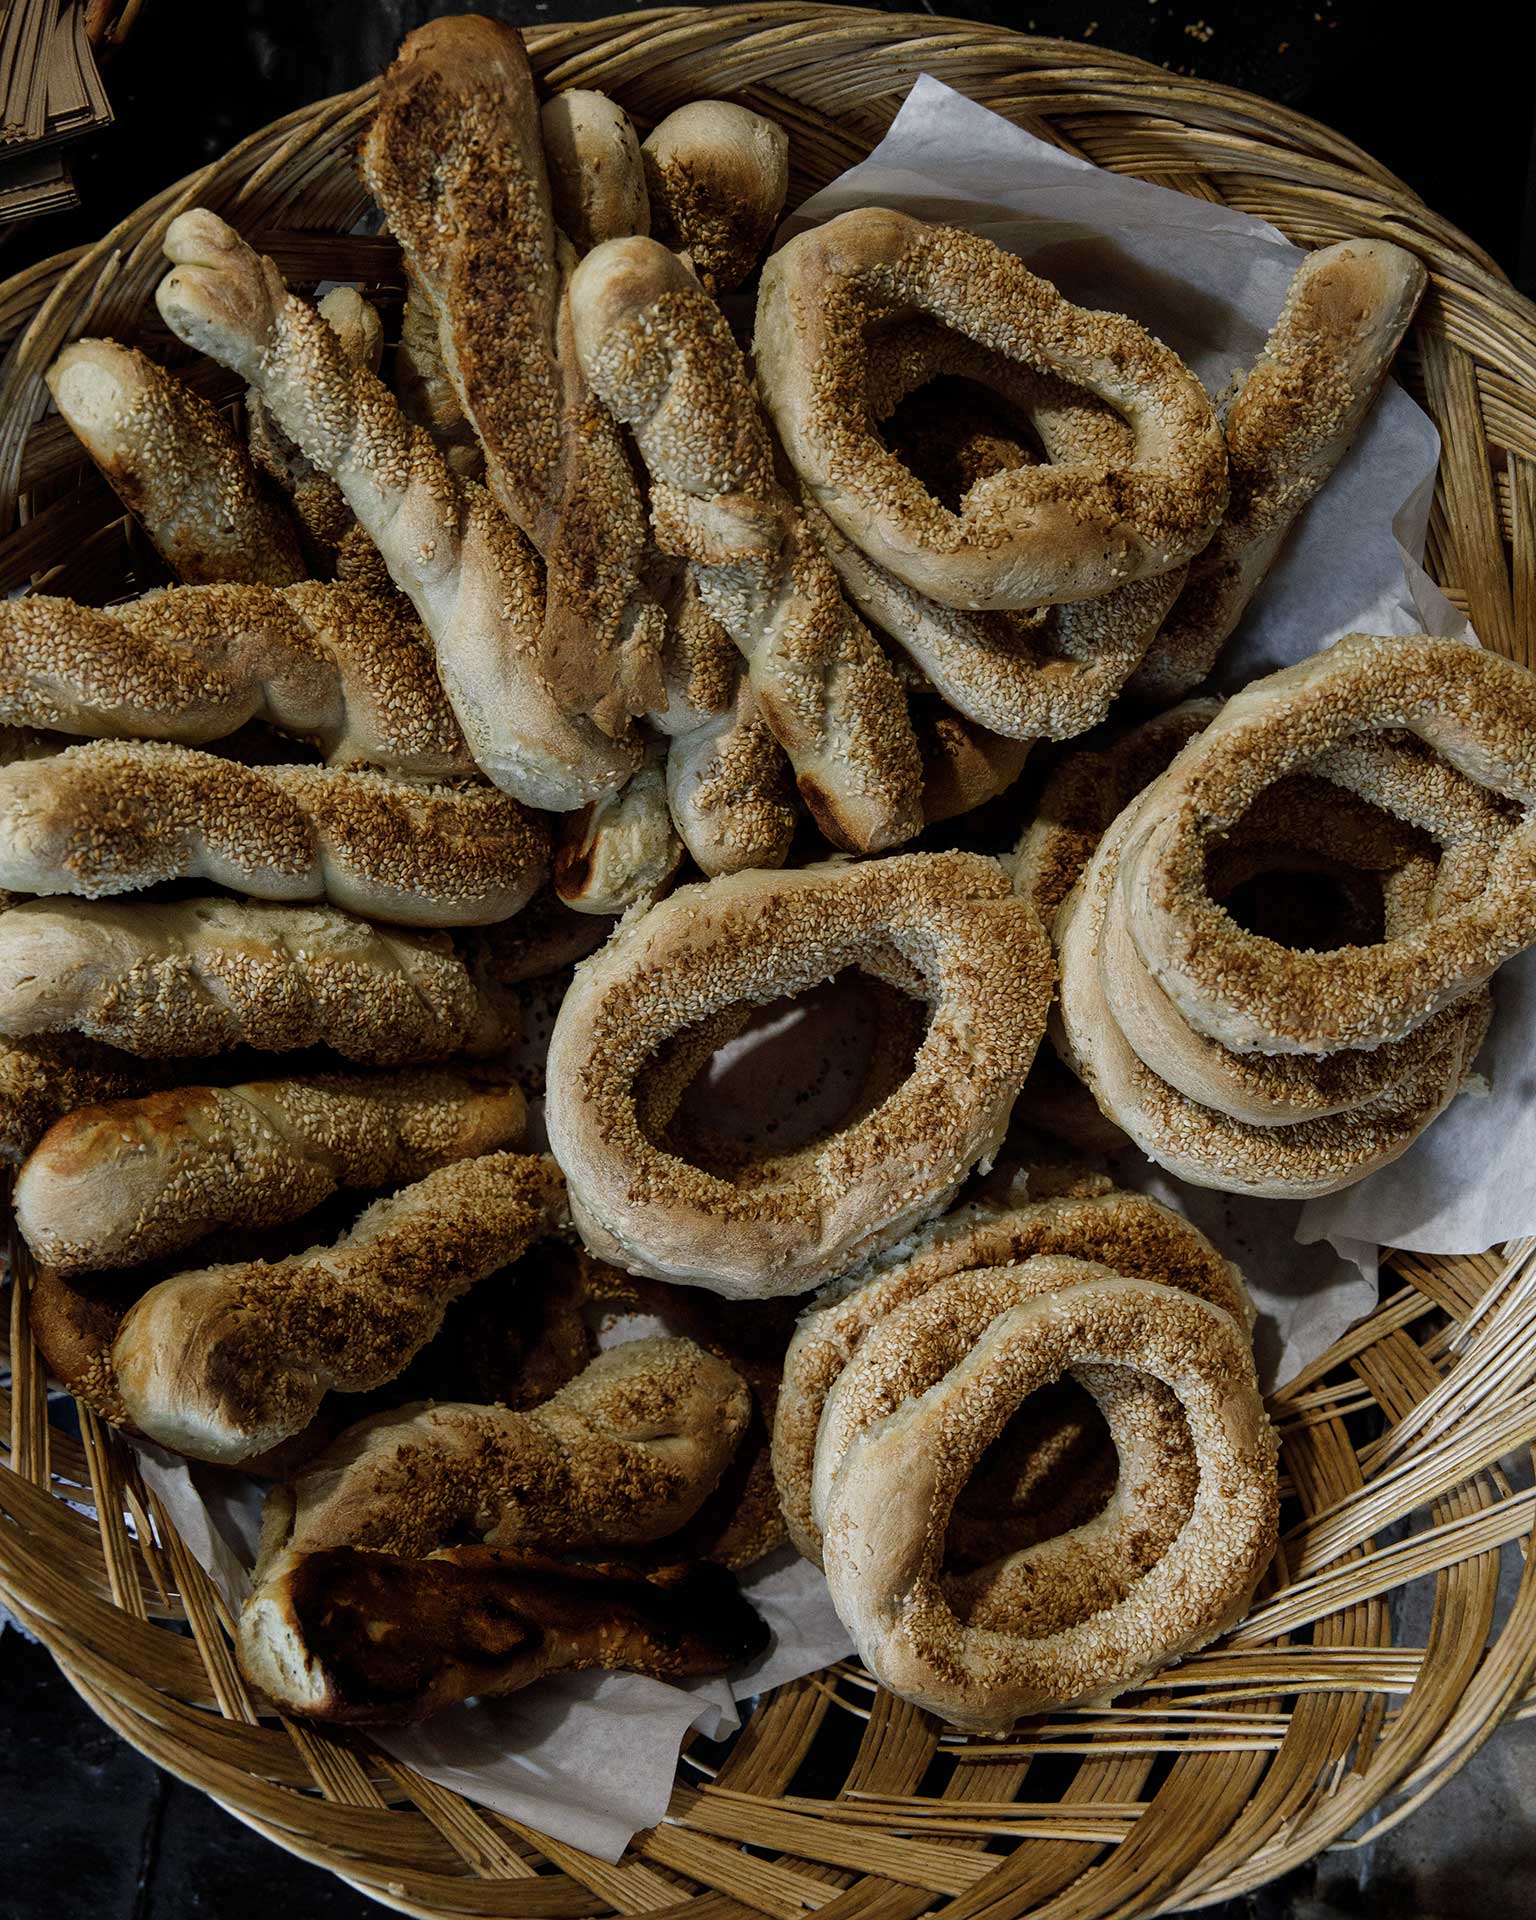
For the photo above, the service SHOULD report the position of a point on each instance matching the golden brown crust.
(115, 1185)
(176, 464)
(455, 160)
(225, 1362)
(596, 176)
(717, 175)
(1023, 537)
(659, 353)
(44, 1078)
(1288, 427)
(939, 925)
(473, 579)
(350, 1636)
(350, 670)
(117, 816)
(198, 976)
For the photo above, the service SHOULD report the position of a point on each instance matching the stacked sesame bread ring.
(941, 927)
(1071, 1618)
(1022, 538)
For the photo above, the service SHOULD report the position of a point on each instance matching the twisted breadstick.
(351, 671)
(1288, 427)
(471, 577)
(624, 848)
(350, 1636)
(115, 816)
(658, 351)
(226, 1362)
(176, 464)
(112, 1186)
(454, 159)
(596, 176)
(327, 524)
(199, 976)
(717, 175)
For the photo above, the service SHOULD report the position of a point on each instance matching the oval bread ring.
(1127, 1231)
(1475, 709)
(1279, 1089)
(944, 925)
(884, 1518)
(1023, 538)
(1199, 1144)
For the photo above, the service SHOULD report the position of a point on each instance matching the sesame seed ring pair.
(1022, 538)
(1044, 672)
(1069, 1619)
(1126, 1231)
(943, 927)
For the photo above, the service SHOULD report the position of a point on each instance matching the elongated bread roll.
(226, 1362)
(198, 976)
(455, 160)
(117, 816)
(717, 176)
(350, 670)
(44, 1078)
(176, 464)
(657, 349)
(596, 176)
(471, 576)
(116, 1185)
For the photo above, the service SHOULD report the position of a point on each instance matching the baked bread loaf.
(176, 464)
(658, 351)
(225, 1362)
(474, 580)
(48, 1076)
(117, 816)
(198, 976)
(116, 1185)
(455, 159)
(350, 670)
(717, 175)
(596, 176)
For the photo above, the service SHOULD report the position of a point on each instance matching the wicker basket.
(836, 1796)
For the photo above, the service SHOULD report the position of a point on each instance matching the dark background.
(86, 1824)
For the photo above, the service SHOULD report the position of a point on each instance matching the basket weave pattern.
(1397, 1444)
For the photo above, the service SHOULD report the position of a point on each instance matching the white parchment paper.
(591, 1758)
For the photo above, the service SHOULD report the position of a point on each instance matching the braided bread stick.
(327, 524)
(1288, 427)
(196, 977)
(349, 670)
(717, 175)
(116, 1185)
(226, 1362)
(454, 159)
(176, 464)
(350, 1636)
(658, 351)
(115, 816)
(471, 576)
(596, 176)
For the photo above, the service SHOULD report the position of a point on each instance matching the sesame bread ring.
(1472, 707)
(1318, 825)
(1196, 1142)
(884, 1519)
(1022, 538)
(943, 926)
(1126, 1231)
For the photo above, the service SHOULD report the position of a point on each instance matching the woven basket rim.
(1439, 1359)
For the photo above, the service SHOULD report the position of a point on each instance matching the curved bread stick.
(116, 1185)
(116, 816)
(658, 351)
(351, 671)
(176, 464)
(226, 1362)
(471, 576)
(199, 976)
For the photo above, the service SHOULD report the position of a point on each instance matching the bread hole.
(1310, 912)
(796, 1071)
(953, 432)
